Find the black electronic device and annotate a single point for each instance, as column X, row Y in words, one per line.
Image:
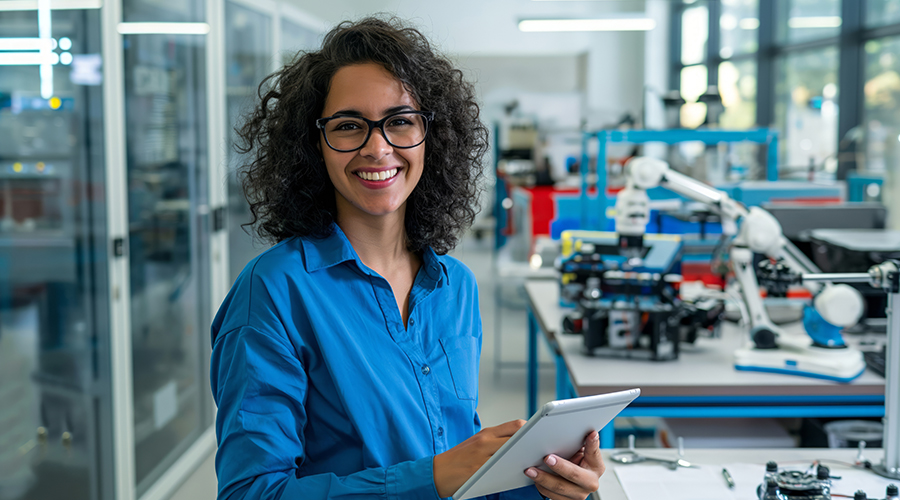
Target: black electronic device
column 795, row 485
column 626, row 297
column 875, row 360
column 812, row 484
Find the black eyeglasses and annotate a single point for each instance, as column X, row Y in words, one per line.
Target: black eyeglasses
column 344, row 133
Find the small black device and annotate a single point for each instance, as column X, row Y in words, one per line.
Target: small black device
column 795, row 485
column 875, row 360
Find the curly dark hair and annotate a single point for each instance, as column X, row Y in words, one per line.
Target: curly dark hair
column 285, row 180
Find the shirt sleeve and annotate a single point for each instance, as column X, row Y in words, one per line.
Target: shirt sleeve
column 523, row 493
column 260, row 387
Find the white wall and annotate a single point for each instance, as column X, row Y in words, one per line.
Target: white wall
column 536, row 73
column 615, row 76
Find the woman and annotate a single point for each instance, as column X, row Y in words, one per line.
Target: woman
column 345, row 358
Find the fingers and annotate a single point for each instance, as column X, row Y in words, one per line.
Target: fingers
column 554, row 486
column 506, row 429
column 574, row 478
column 592, row 458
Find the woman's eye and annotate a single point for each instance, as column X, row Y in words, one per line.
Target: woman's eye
column 347, row 126
column 399, row 122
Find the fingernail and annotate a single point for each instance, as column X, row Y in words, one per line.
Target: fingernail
column 530, row 472
column 595, row 436
column 551, row 460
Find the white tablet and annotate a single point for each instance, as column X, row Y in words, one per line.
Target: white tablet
column 559, row 428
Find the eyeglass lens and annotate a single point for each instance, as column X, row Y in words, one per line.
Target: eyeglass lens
column 403, row 130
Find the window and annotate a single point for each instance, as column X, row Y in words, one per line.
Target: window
column 882, row 105
column 739, row 27
column 694, row 34
column 737, row 87
column 882, row 12
column 804, row 20
column 806, row 110
column 693, row 84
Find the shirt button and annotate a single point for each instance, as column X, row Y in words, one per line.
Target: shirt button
column 440, row 431
column 426, row 370
column 412, row 321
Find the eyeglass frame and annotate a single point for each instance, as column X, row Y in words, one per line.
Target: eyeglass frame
column 428, row 115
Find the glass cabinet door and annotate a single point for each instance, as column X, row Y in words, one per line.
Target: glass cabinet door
column 166, row 138
column 55, row 410
column 248, row 59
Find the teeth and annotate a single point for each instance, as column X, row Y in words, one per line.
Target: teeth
column 377, row 176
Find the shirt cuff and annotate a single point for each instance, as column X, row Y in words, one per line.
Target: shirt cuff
column 411, row 480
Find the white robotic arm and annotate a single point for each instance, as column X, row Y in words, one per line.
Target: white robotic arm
column 840, row 305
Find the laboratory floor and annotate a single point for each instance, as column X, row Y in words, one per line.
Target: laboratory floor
column 502, row 395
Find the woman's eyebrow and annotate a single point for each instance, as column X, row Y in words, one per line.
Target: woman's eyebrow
column 397, row 109
column 389, row 111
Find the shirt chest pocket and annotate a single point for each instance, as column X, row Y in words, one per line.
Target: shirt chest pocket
column 462, row 357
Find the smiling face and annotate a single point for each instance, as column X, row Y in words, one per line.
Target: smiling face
column 377, row 179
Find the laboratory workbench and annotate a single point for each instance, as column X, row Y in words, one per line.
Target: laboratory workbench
column 701, row 383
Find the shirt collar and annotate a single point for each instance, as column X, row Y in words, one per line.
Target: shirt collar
column 319, row 253
column 435, row 265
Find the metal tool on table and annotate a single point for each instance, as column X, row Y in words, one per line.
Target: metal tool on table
column 631, row 456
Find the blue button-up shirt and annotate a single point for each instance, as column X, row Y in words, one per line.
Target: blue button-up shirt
column 322, row 392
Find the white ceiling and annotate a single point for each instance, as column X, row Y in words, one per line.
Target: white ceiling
column 480, row 27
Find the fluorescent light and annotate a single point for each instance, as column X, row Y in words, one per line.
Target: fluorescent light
column 749, row 23
column 11, row 5
column 34, row 59
column 608, row 24
column 24, row 59
column 815, row 22
column 17, row 44
column 163, row 28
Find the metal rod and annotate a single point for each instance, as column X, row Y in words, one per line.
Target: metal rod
column 890, row 467
column 839, row 277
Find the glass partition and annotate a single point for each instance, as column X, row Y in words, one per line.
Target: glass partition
column 55, row 409
column 166, row 138
column 248, row 53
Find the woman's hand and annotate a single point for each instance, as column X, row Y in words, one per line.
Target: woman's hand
column 575, row 478
column 456, row 465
